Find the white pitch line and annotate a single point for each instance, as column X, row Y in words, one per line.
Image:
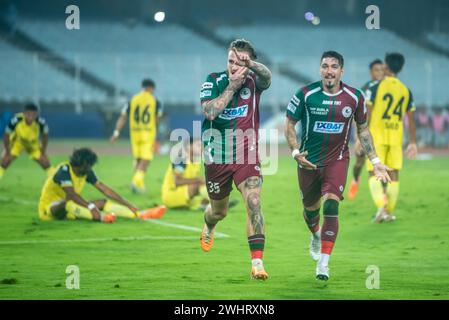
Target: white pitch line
column 183, row 227
column 158, row 222
column 148, row 237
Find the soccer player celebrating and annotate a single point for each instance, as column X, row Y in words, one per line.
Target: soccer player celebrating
column 376, row 69
column 183, row 185
column 143, row 111
column 230, row 102
column 326, row 109
column 22, row 134
column 388, row 102
column 61, row 195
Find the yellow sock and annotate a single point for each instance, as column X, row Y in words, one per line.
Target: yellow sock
column 377, row 193
column 392, row 193
column 2, row 172
column 77, row 211
column 138, row 179
column 119, row 210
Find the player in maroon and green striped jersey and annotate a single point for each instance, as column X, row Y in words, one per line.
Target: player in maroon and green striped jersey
column 376, row 68
column 230, row 101
column 326, row 109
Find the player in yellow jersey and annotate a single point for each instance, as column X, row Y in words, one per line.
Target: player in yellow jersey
column 389, row 101
column 61, row 195
column 143, row 111
column 23, row 133
column 183, row 185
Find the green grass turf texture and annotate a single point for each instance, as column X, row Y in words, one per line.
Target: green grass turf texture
column 411, row 253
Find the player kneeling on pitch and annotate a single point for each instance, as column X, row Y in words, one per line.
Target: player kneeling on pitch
column 61, row 195
column 22, row 133
column 183, row 185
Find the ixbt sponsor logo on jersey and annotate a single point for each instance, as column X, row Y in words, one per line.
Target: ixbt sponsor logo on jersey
column 328, row 127
column 232, row 113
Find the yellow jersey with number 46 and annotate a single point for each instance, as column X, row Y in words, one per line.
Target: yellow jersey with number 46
column 142, row 111
column 389, row 101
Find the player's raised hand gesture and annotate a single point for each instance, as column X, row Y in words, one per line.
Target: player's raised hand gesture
column 381, row 172
column 237, row 79
column 303, row 162
column 411, row 151
column 243, row 58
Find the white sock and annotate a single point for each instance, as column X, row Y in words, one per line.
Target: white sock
column 324, row 259
column 256, row 262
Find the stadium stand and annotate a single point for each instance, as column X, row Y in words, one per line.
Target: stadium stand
column 176, row 58
column 440, row 40
column 300, row 49
column 26, row 77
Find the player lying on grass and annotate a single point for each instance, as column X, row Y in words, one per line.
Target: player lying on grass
column 22, row 134
column 61, row 195
column 326, row 109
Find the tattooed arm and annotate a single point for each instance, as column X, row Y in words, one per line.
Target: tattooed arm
column 292, row 141
column 212, row 108
column 263, row 75
column 366, row 140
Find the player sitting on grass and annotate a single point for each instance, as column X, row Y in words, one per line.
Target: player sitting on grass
column 22, row 134
column 61, row 195
column 183, row 186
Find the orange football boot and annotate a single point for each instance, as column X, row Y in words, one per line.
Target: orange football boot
column 259, row 273
column 353, row 189
column 108, row 218
column 153, row 213
column 207, row 239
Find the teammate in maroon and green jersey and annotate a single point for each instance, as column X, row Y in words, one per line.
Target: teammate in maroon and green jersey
column 230, row 102
column 376, row 69
column 326, row 110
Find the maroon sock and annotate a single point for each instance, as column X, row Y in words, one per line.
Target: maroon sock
column 329, row 233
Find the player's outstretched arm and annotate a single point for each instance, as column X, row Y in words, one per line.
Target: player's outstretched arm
column 119, row 126
column 111, row 194
column 290, row 135
column 75, row 197
column 412, row 148
column 212, row 108
column 263, row 74
column 44, row 143
column 366, row 140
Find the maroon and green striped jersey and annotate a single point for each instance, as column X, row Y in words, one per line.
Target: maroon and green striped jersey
column 230, row 136
column 326, row 120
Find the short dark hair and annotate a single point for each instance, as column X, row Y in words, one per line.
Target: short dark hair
column 83, row 157
column 148, row 83
column 374, row 62
column 31, row 107
column 333, row 54
column 243, row 45
column 395, row 61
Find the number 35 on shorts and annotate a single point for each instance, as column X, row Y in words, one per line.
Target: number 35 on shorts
column 214, row 187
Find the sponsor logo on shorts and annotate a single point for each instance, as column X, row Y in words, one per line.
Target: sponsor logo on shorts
column 291, row 107
column 245, row 93
column 341, row 188
column 257, row 168
column 347, row 111
column 330, row 233
column 328, row 127
column 232, row 113
column 207, row 85
column 205, row 93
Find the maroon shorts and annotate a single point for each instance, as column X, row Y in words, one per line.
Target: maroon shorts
column 219, row 177
column 316, row 183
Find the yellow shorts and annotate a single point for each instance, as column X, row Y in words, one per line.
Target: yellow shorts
column 389, row 155
column 143, row 149
column 33, row 149
column 45, row 211
column 179, row 198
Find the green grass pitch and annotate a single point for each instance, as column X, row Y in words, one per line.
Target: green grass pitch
column 142, row 260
